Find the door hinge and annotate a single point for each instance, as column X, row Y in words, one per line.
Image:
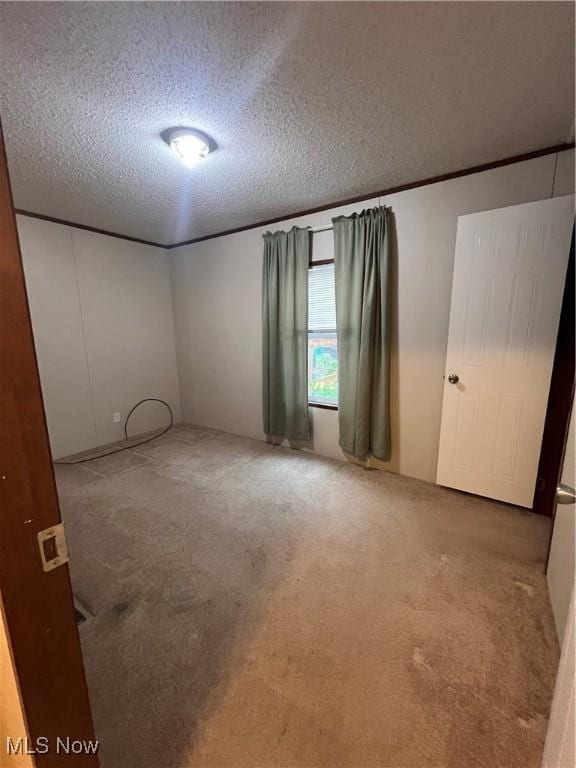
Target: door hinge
column 53, row 547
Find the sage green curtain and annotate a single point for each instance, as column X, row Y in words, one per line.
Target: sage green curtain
column 361, row 262
column 285, row 333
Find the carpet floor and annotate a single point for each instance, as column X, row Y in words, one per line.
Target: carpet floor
column 258, row 607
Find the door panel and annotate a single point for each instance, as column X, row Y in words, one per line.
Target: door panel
column 509, row 274
column 38, row 606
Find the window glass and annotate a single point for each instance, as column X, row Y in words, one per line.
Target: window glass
column 322, row 349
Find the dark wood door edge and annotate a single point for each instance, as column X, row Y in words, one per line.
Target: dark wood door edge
column 38, row 606
column 560, row 400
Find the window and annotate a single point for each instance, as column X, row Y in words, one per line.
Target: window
column 322, row 350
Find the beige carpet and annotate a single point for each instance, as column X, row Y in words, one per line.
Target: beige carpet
column 256, row 607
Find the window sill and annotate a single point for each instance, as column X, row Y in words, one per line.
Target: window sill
column 323, row 406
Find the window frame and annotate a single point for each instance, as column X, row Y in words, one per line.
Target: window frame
column 322, row 406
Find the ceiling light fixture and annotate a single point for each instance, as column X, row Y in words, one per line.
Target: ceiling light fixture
column 190, row 145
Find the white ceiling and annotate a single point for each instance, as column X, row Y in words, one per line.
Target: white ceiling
column 309, row 103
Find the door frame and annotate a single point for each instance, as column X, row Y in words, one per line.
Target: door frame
column 38, row 605
column 560, row 400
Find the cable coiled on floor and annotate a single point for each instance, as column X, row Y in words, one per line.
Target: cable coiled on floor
column 132, row 445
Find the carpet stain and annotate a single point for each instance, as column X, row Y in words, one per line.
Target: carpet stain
column 120, row 608
column 527, row 588
column 257, row 558
column 538, row 723
column 419, row 659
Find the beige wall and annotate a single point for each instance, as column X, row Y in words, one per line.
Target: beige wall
column 11, row 716
column 217, row 302
column 102, row 317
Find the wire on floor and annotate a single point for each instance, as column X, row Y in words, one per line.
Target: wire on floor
column 132, row 445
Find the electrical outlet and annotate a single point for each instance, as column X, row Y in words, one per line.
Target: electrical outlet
column 115, row 418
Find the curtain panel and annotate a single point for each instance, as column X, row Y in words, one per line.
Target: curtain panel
column 285, row 333
column 361, row 261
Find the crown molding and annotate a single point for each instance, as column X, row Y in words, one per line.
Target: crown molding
column 308, row 211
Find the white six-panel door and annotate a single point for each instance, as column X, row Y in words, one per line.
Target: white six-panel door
column 509, row 273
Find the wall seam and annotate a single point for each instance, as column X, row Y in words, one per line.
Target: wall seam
column 554, row 174
column 84, row 342
column 177, row 355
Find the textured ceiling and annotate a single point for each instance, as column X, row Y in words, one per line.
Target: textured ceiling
column 309, row 103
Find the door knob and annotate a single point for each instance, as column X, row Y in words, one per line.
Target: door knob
column 565, row 494
column 453, row 378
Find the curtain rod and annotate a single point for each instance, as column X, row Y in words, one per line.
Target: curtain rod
column 325, row 228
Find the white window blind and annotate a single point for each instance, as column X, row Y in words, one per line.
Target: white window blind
column 322, row 340
column 321, row 298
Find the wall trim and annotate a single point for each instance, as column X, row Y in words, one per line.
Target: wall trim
column 87, row 228
column 307, row 212
column 390, row 191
